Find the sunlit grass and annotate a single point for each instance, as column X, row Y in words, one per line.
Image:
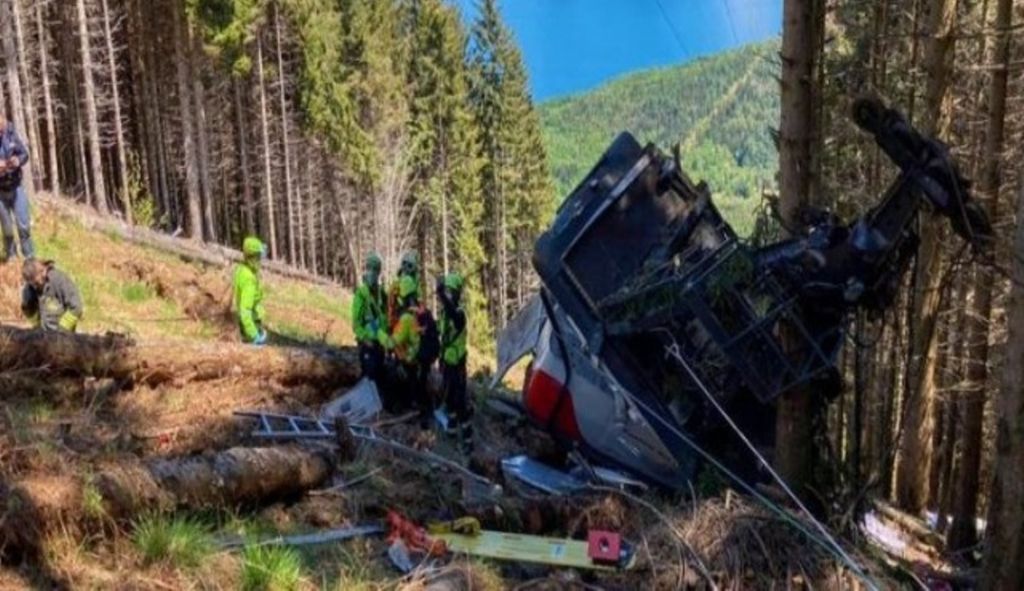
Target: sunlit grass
column 270, row 568
column 136, row 291
column 180, row 541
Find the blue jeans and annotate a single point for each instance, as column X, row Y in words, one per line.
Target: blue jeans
column 14, row 210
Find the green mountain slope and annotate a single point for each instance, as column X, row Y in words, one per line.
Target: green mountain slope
column 719, row 109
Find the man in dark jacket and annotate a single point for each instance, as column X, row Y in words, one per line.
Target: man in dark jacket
column 13, row 201
column 49, row 299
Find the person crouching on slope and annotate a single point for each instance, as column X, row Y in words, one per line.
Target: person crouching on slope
column 49, row 299
column 453, row 358
column 369, row 317
column 249, row 292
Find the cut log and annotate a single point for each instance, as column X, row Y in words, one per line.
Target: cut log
column 153, row 363
column 238, row 476
column 32, row 508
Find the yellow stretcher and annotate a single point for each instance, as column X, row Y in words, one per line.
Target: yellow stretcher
column 565, row 553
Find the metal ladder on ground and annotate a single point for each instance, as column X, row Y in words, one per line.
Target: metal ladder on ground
column 287, row 427
column 278, row 427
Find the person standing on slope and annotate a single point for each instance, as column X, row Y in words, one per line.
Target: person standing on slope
column 413, row 349
column 369, row 319
column 249, row 292
column 13, row 201
column 453, row 358
column 50, row 298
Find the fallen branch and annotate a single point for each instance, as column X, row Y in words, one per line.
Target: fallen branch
column 190, row 250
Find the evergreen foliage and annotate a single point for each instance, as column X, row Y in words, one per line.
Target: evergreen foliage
column 442, row 150
column 720, row 110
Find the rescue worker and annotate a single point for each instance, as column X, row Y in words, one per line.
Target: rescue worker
column 408, row 267
column 453, row 358
column 14, row 210
column 249, row 292
column 369, row 318
column 405, row 344
column 49, row 298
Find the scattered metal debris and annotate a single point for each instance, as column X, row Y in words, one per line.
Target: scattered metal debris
column 359, row 406
column 323, row 537
column 542, row 476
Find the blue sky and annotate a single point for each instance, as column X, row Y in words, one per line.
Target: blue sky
column 574, row 45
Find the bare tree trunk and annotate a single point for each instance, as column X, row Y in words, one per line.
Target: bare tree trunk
column 915, row 446
column 122, row 156
column 202, row 130
column 194, row 225
column 963, row 533
column 285, row 140
column 794, row 432
column 91, row 116
column 310, row 209
column 44, row 72
column 28, row 86
column 1003, row 567
column 11, row 60
column 268, row 181
column 248, row 207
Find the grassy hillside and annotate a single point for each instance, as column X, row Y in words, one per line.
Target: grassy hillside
column 149, row 294
column 719, row 109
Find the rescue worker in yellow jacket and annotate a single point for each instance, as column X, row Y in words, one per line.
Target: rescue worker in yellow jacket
column 249, row 292
column 369, row 319
column 407, row 343
column 49, row 298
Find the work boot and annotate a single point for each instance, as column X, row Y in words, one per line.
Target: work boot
column 466, row 438
column 453, row 425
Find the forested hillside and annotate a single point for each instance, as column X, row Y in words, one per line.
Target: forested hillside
column 329, row 128
column 720, row 109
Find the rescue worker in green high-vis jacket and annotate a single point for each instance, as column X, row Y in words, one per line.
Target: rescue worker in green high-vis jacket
column 370, row 320
column 249, row 292
column 49, row 299
column 453, row 328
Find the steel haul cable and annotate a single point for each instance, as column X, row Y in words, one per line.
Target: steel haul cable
column 829, row 540
column 825, row 540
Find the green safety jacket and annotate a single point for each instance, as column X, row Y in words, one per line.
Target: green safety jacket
column 249, row 301
column 453, row 337
column 369, row 321
column 405, row 338
column 57, row 306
